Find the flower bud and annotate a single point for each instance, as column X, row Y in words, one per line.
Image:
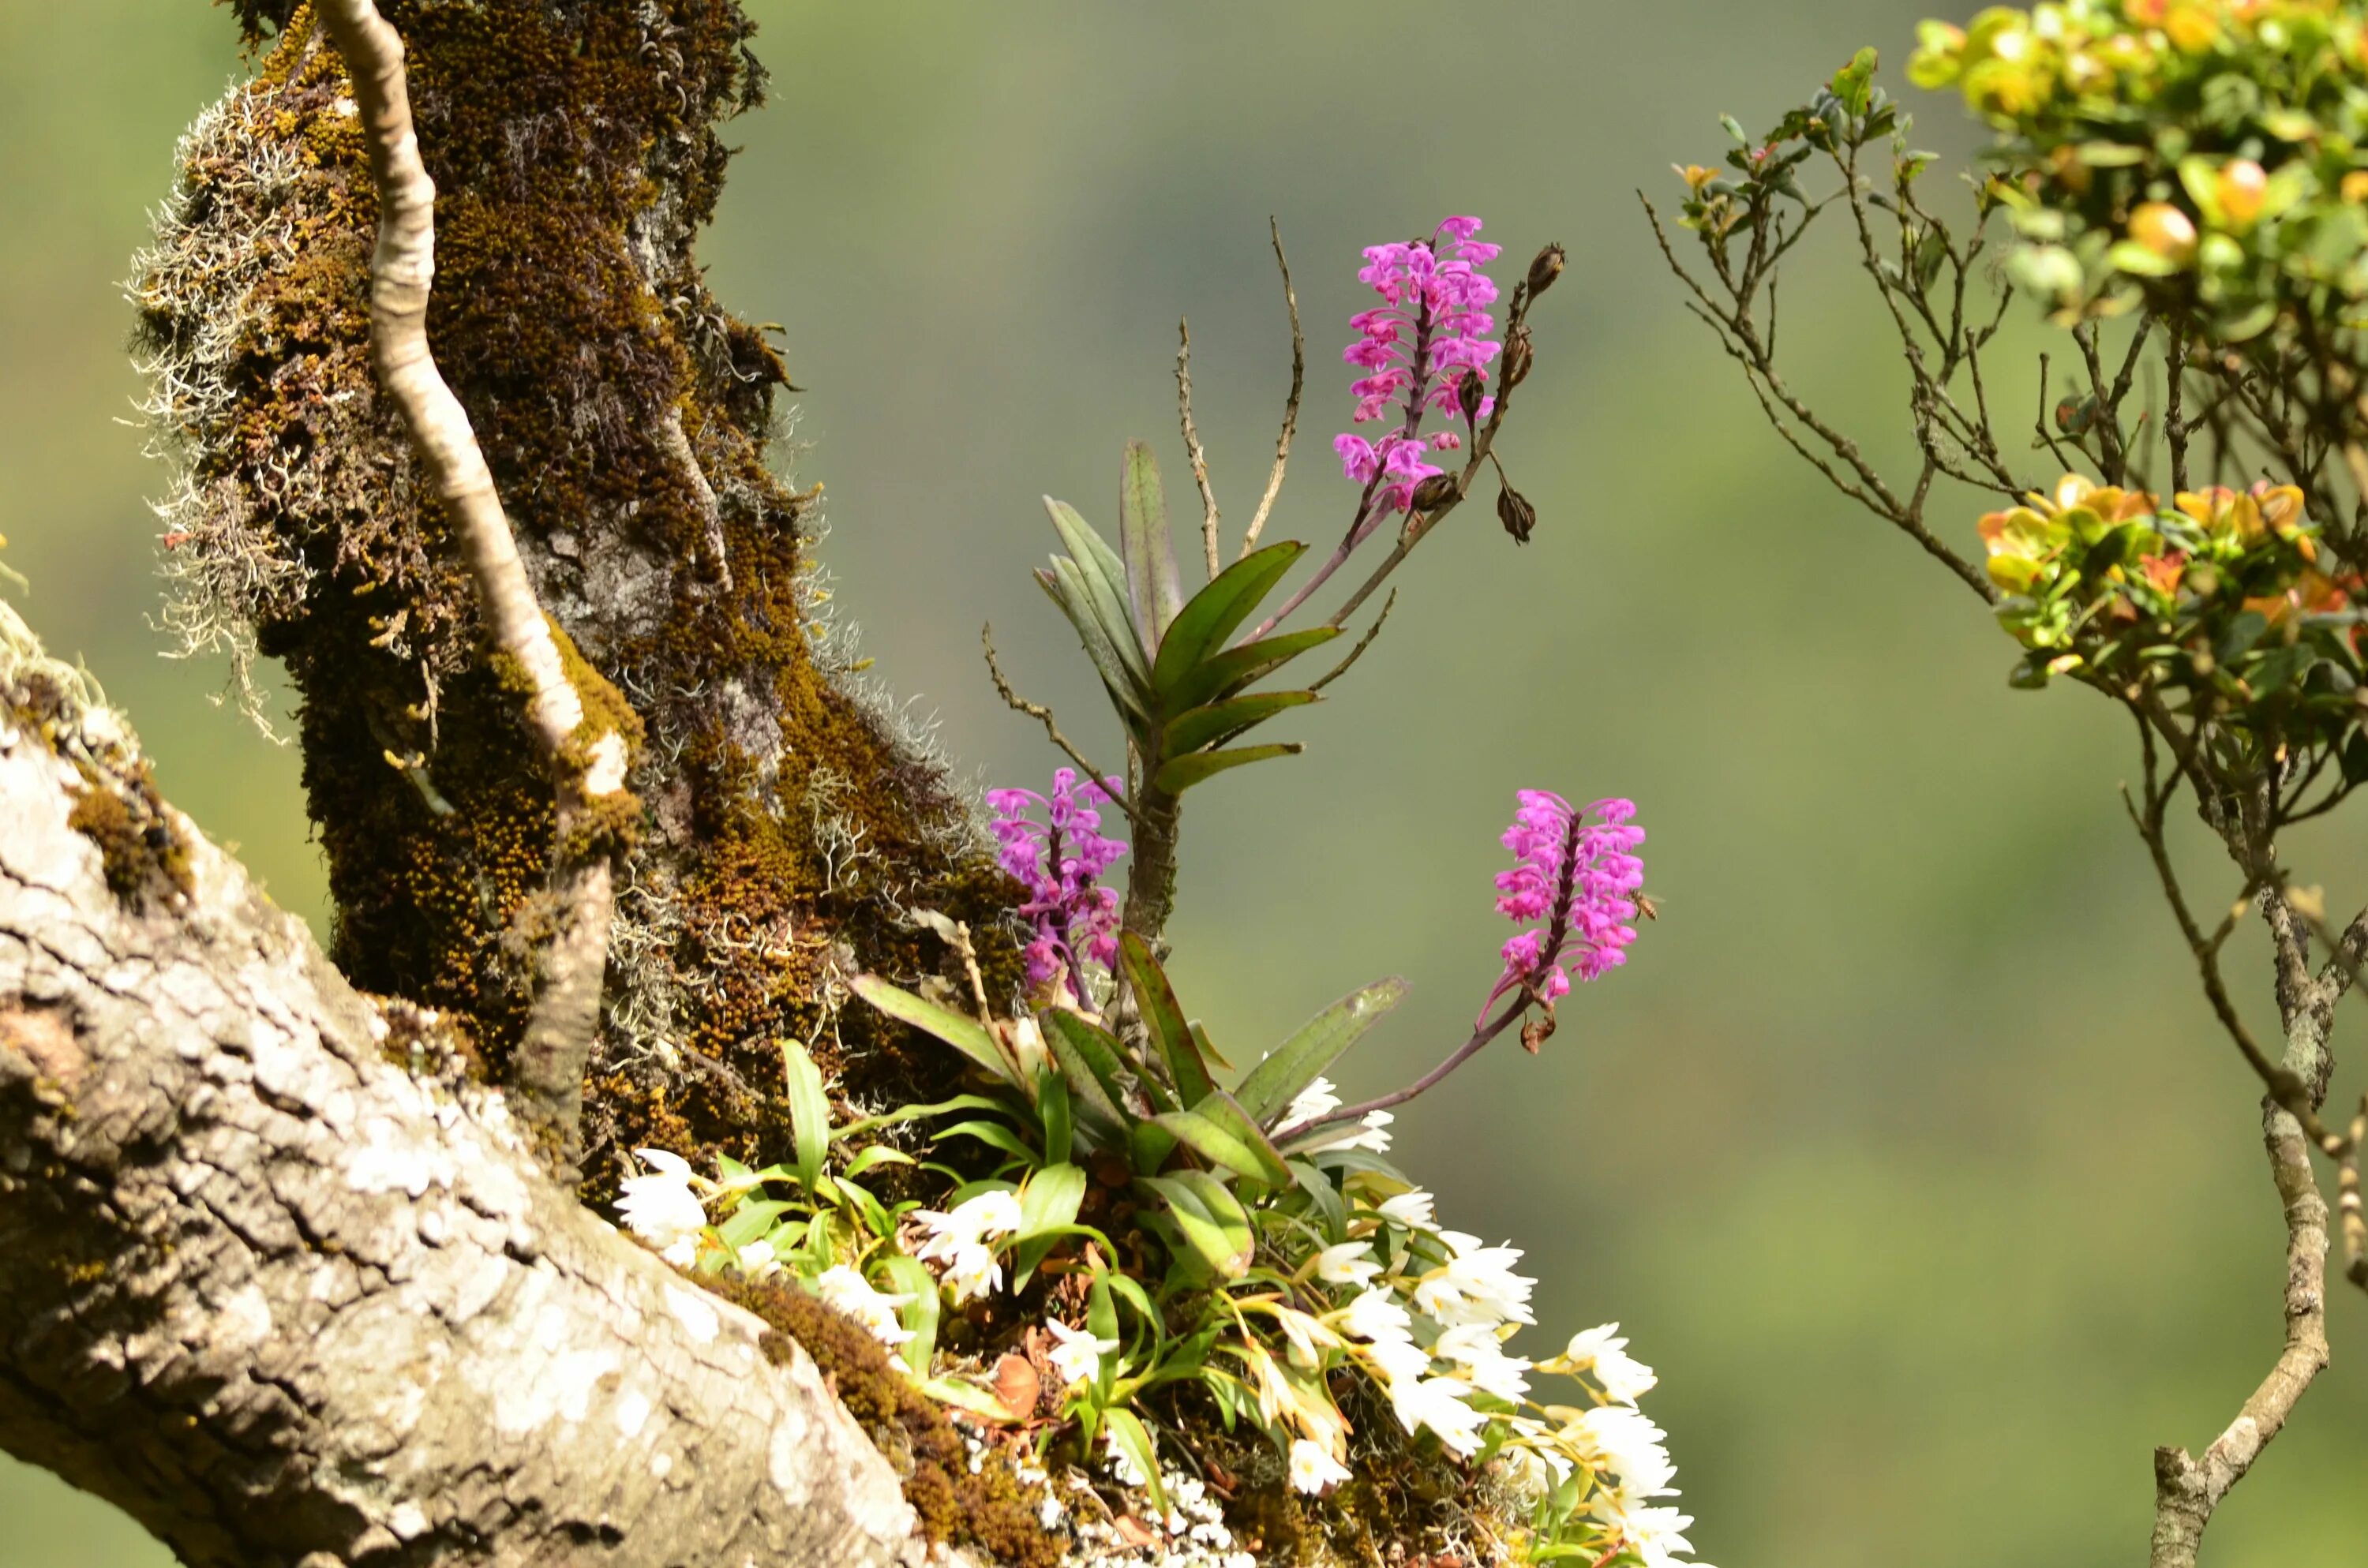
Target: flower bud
column 1513, row 510
column 1433, row 492
column 1516, row 356
column 2243, row 189
column 1544, row 270
column 2164, row 229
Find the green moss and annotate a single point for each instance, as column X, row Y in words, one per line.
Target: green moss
column 992, row 1511
column 576, row 152
column 138, row 847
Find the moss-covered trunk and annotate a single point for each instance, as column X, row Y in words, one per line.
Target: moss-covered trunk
column 627, row 416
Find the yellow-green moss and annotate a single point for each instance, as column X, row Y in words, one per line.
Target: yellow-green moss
column 139, row 849
column 993, row 1510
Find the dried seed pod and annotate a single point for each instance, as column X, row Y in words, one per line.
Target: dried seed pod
column 1433, row 492
column 1513, row 510
column 1516, row 356
column 1544, row 268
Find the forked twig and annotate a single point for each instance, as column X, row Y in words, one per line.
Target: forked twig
column 1192, row 444
column 1291, row 407
column 1044, row 715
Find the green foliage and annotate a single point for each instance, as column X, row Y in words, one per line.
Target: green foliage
column 2205, row 158
column 1177, row 688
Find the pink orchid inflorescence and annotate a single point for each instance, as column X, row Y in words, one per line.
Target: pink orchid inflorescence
column 1060, row 861
column 1417, row 348
column 1575, row 886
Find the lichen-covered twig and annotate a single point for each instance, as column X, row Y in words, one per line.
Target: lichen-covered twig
column 1044, row 715
column 1290, row 405
column 588, row 759
column 1192, row 446
column 1362, row 644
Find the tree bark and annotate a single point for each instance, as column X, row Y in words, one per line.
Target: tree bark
column 289, row 1304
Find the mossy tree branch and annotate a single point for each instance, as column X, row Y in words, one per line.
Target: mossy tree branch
column 588, row 759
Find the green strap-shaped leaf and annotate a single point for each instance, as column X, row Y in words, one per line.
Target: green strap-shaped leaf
column 1209, row 1051
column 1324, row 1199
column 1226, row 1112
column 994, row 1134
column 1215, row 612
column 1224, row 721
column 1151, row 587
column 918, row 1112
column 1068, row 590
column 910, row 1277
column 1222, row 675
column 1090, row 1068
column 1298, row 1062
column 1049, row 1200
column 1212, row 1143
column 1165, row 1019
column 809, row 1111
column 1103, row 578
column 1127, row 1431
column 1054, row 1114
column 1150, row 1144
column 1219, row 1234
column 1181, row 775
column 965, row 1035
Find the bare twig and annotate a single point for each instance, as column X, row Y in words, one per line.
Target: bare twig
column 1192, row 444
column 1291, row 407
column 1044, row 715
column 588, row 770
column 1362, row 644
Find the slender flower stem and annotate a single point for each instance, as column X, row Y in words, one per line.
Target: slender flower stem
column 1505, row 1019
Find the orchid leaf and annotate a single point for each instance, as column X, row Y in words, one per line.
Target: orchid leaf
column 966, row 1035
column 910, row 1278
column 809, row 1111
column 1164, row 1017
column 1152, row 585
column 1298, row 1062
column 1222, row 675
column 1183, row 772
column 1103, row 578
column 1067, row 586
column 1214, row 613
column 1223, row 721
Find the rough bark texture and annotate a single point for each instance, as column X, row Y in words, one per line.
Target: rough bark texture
column 626, row 418
column 286, row 1302
column 2189, row 1488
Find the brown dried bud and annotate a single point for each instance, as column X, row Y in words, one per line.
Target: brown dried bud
column 1513, row 510
column 1517, row 358
column 1536, row 1031
column 1468, row 394
column 1434, row 492
column 1544, row 270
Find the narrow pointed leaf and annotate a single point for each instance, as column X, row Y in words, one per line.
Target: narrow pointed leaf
column 1149, row 1145
column 910, row 1277
column 1068, row 591
column 1226, row 1112
column 1053, row 1113
column 1097, row 1097
column 994, row 1134
column 1127, row 1431
column 809, row 1111
column 1222, row 675
column 1223, row 1246
column 1165, row 1019
column 1226, row 1212
column 1152, row 586
column 1212, row 1143
column 1104, row 577
column 1209, row 1052
column 1218, row 611
column 1049, row 1200
column 1181, row 775
column 1298, row 1062
column 965, row 1035
column 1223, row 721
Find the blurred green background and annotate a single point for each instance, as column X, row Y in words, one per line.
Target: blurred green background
column 1903, row 1147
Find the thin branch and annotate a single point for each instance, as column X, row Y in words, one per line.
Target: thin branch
column 588, row 770
column 1192, row 444
column 1505, row 1019
column 1044, row 715
column 1362, row 644
column 1291, row 407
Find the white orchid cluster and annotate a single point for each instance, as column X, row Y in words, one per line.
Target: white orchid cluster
column 1429, row 1327
column 1423, row 1312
